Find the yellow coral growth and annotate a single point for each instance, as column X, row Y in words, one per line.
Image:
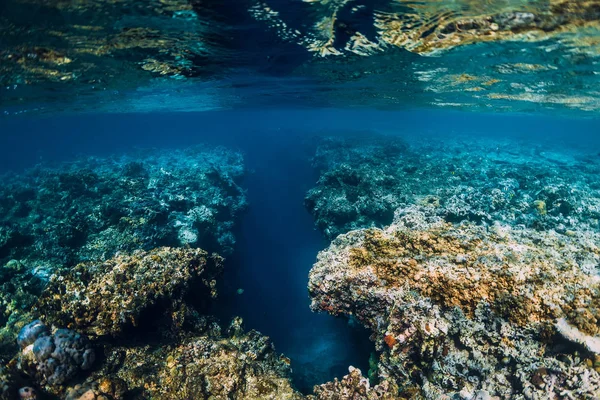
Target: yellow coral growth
column 463, row 266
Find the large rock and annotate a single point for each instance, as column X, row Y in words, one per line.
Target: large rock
column 470, row 310
column 101, row 299
column 212, row 365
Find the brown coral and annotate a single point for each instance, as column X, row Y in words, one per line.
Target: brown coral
column 471, row 309
column 241, row 366
column 104, row 299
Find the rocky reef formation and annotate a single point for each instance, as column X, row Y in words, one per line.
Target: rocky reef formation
column 360, row 182
column 20, row 288
column 172, row 349
column 94, row 207
column 233, row 365
column 205, row 363
column 467, row 310
column 54, row 218
column 53, row 358
column 119, row 290
column 364, row 179
column 354, row 386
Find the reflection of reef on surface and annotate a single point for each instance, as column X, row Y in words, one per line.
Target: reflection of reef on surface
column 460, row 309
column 431, row 26
column 105, row 43
column 59, row 56
column 560, row 36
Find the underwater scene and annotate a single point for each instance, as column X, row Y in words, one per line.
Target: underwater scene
column 299, row 199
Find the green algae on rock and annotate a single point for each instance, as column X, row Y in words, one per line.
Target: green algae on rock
column 106, row 298
column 469, row 310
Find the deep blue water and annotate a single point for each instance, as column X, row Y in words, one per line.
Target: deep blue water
column 277, row 242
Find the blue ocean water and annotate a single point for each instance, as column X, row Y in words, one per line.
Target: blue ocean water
column 410, row 188
column 265, row 280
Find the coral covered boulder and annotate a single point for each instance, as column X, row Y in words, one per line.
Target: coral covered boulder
column 356, row 387
column 94, row 207
column 105, row 298
column 53, row 358
column 211, row 365
column 470, row 310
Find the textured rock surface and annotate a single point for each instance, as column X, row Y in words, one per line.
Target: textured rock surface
column 354, row 387
column 106, row 298
column 94, row 207
column 19, row 291
column 101, row 389
column 236, row 365
column 53, row 358
column 364, row 179
column 8, row 386
column 470, row 310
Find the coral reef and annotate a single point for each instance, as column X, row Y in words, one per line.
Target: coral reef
column 53, row 358
column 354, row 386
column 467, row 310
column 102, row 389
column 106, row 298
column 19, row 291
column 94, row 207
column 364, row 179
column 79, row 215
column 8, row 389
column 359, row 182
column 235, row 365
column 189, row 357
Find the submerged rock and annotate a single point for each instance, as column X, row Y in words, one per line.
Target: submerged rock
column 19, row 291
column 235, row 366
column 467, row 310
column 354, row 386
column 101, row 299
column 364, row 179
column 53, row 359
column 93, row 208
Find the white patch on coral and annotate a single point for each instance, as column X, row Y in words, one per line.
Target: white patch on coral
column 569, row 332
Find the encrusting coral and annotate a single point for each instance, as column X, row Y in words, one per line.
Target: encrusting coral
column 234, row 365
column 101, row 299
column 94, row 207
column 461, row 309
column 354, row 386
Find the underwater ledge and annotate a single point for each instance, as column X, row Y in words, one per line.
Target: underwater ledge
column 495, row 208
